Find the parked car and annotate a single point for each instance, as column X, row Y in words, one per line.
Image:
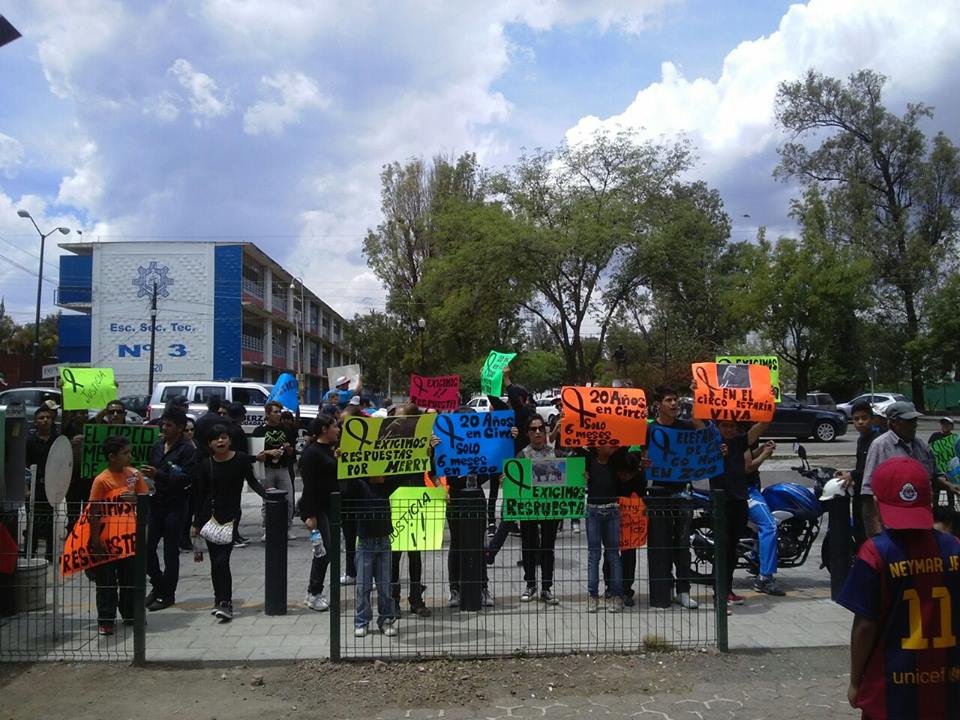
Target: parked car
column 480, row 403
column 820, row 400
column 547, row 410
column 137, row 403
column 794, row 419
column 878, row 400
column 253, row 395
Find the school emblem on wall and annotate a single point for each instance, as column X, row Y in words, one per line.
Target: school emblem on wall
column 153, row 274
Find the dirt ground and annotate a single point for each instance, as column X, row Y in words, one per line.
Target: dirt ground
column 355, row 690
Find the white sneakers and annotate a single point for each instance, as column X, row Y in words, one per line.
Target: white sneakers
column 348, row 580
column 684, row 600
column 317, row 602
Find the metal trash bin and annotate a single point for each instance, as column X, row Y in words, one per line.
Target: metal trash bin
column 30, row 584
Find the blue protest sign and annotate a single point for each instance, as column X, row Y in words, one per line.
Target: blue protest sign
column 472, row 443
column 286, row 392
column 683, row 455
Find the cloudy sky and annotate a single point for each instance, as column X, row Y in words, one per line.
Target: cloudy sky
column 269, row 120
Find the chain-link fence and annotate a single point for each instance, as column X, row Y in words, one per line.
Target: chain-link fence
column 63, row 602
column 535, row 587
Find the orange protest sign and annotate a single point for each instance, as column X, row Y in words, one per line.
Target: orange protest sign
column 118, row 535
column 603, row 416
column 732, row 392
column 633, row 522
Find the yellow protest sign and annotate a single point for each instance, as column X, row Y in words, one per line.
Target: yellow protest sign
column 385, row 446
column 770, row 361
column 87, row 388
column 418, row 515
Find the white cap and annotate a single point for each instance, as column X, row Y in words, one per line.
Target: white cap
column 342, row 380
column 947, row 420
column 355, row 400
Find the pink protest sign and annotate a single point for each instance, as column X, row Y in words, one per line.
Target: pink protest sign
column 441, row 393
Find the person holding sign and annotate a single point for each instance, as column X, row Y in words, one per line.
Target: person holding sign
column 341, row 394
column 318, row 468
column 632, row 485
column 374, row 557
column 119, row 483
column 220, row 479
column 737, row 459
column 538, row 537
column 603, row 524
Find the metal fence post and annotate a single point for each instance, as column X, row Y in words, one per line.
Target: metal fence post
column 334, row 552
column 140, row 583
column 720, row 589
column 275, row 554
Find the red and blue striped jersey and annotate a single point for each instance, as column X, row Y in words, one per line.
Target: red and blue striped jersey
column 909, row 582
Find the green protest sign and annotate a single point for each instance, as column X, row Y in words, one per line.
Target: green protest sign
column 92, row 459
column 547, row 489
column 491, row 376
column 418, row 515
column 945, row 450
column 385, row 446
column 87, row 388
column 770, row 361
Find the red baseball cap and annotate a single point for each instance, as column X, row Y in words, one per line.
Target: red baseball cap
column 901, row 486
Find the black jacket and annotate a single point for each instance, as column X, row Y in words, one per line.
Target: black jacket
column 175, row 470
column 318, row 468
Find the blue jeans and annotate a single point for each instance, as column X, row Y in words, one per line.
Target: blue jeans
column 603, row 526
column 759, row 514
column 373, row 563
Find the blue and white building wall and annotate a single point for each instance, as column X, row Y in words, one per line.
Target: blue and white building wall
column 224, row 310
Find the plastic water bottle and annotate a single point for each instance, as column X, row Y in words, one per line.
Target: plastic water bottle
column 132, row 482
column 316, row 539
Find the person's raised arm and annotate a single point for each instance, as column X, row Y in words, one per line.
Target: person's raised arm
column 755, row 432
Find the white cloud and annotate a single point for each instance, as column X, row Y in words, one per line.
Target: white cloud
column 297, row 92
column 85, row 187
column 164, row 106
column 731, row 119
column 205, row 104
column 11, row 154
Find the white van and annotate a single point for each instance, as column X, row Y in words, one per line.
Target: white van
column 252, row 395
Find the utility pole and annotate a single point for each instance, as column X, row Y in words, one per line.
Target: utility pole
column 153, row 336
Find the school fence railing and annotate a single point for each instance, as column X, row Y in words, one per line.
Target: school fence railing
column 60, row 602
column 532, row 588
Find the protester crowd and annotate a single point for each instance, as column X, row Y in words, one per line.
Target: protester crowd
column 903, row 587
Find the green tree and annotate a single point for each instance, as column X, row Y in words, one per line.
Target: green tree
column 385, row 348
column 943, row 339
column 899, row 194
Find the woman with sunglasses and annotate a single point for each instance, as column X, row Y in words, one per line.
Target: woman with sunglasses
column 538, row 537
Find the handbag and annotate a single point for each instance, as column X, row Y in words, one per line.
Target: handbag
column 217, row 533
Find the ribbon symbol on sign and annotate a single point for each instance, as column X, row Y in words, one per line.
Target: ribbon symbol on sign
column 348, row 429
column 512, row 466
column 444, row 426
column 68, row 377
column 664, row 444
column 418, row 383
column 580, row 408
column 702, row 375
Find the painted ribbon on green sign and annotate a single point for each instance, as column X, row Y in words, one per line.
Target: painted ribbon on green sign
column 370, row 447
column 548, row 489
column 491, row 376
column 87, row 388
column 418, row 515
column 770, row 361
column 945, row 450
column 93, row 461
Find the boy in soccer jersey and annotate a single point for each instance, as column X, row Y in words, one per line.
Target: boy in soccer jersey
column 904, row 588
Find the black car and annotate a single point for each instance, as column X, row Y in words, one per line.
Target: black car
column 794, row 419
column 137, row 403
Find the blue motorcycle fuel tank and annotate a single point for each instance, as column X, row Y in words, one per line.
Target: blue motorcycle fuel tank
column 794, row 498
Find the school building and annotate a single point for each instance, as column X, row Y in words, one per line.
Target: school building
column 225, row 310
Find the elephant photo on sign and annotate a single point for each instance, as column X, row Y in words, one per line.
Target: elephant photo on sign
column 549, row 472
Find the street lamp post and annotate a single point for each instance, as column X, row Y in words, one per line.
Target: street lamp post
column 421, row 328
column 301, row 331
column 36, row 327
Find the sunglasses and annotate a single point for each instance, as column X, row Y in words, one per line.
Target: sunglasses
column 537, row 429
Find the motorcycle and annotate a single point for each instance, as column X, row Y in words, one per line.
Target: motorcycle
column 796, row 509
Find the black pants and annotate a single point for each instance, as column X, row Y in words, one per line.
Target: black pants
column 628, row 559
column 112, row 578
column 220, row 572
column 737, row 513
column 43, row 528
column 348, row 523
column 492, row 500
column 538, row 538
column 859, row 529
column 459, row 542
column 415, row 563
column 319, row 565
column 165, row 523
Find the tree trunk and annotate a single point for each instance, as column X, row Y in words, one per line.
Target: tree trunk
column 803, row 379
column 916, row 363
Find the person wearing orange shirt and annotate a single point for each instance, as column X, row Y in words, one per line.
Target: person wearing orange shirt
column 119, row 483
